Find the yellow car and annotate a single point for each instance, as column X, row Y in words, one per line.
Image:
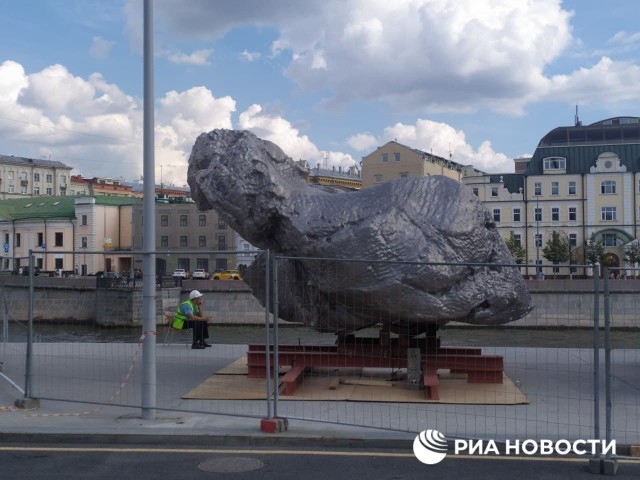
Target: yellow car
column 227, row 275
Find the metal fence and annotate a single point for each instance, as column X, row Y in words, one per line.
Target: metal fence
column 568, row 370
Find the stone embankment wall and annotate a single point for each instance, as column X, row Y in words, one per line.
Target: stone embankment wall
column 557, row 302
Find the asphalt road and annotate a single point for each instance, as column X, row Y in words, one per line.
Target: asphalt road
column 107, row 462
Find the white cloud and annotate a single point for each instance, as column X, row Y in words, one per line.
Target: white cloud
column 362, row 141
column 199, row 57
column 250, row 56
column 93, row 126
column 100, row 48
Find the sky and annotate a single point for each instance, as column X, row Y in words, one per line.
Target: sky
column 328, row 81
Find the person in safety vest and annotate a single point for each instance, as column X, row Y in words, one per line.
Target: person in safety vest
column 189, row 315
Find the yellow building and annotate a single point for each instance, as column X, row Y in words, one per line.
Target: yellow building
column 394, row 160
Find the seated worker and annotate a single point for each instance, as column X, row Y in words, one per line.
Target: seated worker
column 189, row 315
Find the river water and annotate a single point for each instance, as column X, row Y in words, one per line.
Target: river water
column 77, row 332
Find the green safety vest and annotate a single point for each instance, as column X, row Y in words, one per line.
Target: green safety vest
column 179, row 317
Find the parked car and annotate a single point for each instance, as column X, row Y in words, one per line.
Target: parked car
column 200, row 274
column 227, row 275
column 25, row 271
column 180, row 273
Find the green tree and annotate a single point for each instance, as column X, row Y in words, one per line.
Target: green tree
column 593, row 251
column 556, row 250
column 632, row 254
column 515, row 248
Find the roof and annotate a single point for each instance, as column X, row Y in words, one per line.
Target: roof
column 513, row 182
column 581, row 145
column 51, row 207
column 32, row 162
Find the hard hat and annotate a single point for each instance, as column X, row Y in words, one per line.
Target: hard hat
column 194, row 294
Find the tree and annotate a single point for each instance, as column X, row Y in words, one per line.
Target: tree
column 556, row 249
column 515, row 248
column 632, row 254
column 593, row 251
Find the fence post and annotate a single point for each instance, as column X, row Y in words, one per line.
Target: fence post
column 27, row 401
column 276, row 340
column 267, row 344
column 596, row 351
column 610, row 464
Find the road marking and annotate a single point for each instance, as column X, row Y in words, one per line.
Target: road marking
column 292, row 452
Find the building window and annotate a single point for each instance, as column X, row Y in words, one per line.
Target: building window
column 517, row 239
column 572, row 214
column 572, row 188
column 496, row 215
column 385, row 158
column 10, row 175
column 609, row 240
column 49, row 178
column 23, row 189
column 537, row 214
column 36, row 177
column 202, row 220
column 396, row 157
column 36, row 190
column 23, row 175
column 555, row 163
column 537, row 189
column 164, row 220
column 164, row 241
column 516, row 214
column 17, row 239
column 555, row 214
column 476, row 191
column 59, row 239
column 83, row 242
column 608, row 187
column 555, row 188
column 377, row 179
column 608, row 214
column 83, row 220
column 404, row 174
column 184, row 220
column 40, row 239
column 202, row 241
column 538, row 239
column 10, row 189
column 222, row 225
column 222, row 242
column 58, row 263
column 573, row 240
column 494, row 191
column 184, row 241
column 49, row 191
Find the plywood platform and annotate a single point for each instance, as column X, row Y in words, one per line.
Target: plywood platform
column 354, row 384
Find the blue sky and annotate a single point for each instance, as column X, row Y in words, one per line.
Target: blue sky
column 327, row 81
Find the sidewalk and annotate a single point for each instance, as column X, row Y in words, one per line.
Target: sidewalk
column 557, row 382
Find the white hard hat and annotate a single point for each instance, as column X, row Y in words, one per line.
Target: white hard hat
column 194, row 294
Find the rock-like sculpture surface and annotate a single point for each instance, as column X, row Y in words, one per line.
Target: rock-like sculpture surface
column 423, row 221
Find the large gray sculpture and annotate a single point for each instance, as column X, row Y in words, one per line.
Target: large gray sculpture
column 414, row 251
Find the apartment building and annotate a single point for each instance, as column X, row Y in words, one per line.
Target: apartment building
column 583, row 182
column 52, row 226
column 21, row 176
column 394, row 160
column 187, row 237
